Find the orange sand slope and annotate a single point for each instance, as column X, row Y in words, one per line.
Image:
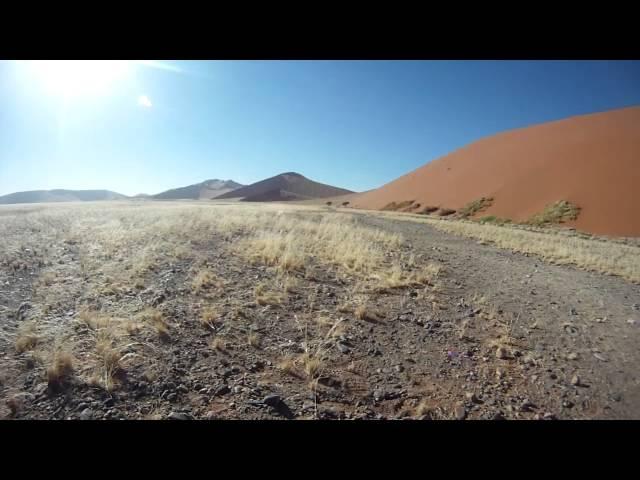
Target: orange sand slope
column 592, row 161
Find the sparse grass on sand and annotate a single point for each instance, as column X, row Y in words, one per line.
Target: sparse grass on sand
column 476, row 206
column 557, row 212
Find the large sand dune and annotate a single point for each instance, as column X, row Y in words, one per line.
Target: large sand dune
column 590, row 160
column 288, row 186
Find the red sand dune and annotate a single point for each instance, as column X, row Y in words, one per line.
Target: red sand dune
column 591, row 160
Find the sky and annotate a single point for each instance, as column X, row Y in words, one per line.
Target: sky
column 147, row 126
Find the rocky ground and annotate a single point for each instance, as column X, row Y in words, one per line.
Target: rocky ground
column 499, row 335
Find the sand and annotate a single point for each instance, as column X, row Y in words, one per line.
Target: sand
column 591, row 160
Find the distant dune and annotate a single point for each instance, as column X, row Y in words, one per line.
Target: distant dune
column 591, row 160
column 42, row 196
column 200, row 191
column 284, row 187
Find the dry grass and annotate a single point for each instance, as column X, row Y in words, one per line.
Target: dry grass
column 474, row 207
column 312, row 364
column 428, row 210
column 393, row 206
column 445, row 212
column 157, row 320
column 205, row 280
column 396, row 277
column 209, row 317
column 495, row 220
column 557, row 212
column 590, row 254
column 288, row 366
column 218, row 344
column 60, row 369
column 253, row 339
column 365, row 312
column 27, row 338
column 294, row 242
column 266, row 297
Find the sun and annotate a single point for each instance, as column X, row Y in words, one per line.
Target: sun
column 76, row 78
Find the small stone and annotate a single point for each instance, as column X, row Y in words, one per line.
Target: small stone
column 501, row 353
column 527, row 406
column 632, row 321
column 398, row 368
column 572, row 356
column 179, row 416
column 460, row 412
column 172, row 397
column 471, row 397
column 182, row 388
column 575, row 380
column 86, row 414
column 343, row 348
column 573, row 311
column 600, row 357
column 567, row 404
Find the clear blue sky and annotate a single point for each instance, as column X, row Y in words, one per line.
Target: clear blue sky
column 143, row 128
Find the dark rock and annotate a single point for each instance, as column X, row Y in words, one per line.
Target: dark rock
column 343, row 348
column 222, row 390
column 172, row 397
column 22, row 309
column 272, row 400
column 527, row 406
column 182, row 388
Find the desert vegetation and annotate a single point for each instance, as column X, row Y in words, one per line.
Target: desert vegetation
column 474, row 207
column 557, row 212
column 180, row 310
column 116, row 288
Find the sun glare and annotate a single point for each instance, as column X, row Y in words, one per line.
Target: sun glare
column 72, row 78
column 144, row 101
